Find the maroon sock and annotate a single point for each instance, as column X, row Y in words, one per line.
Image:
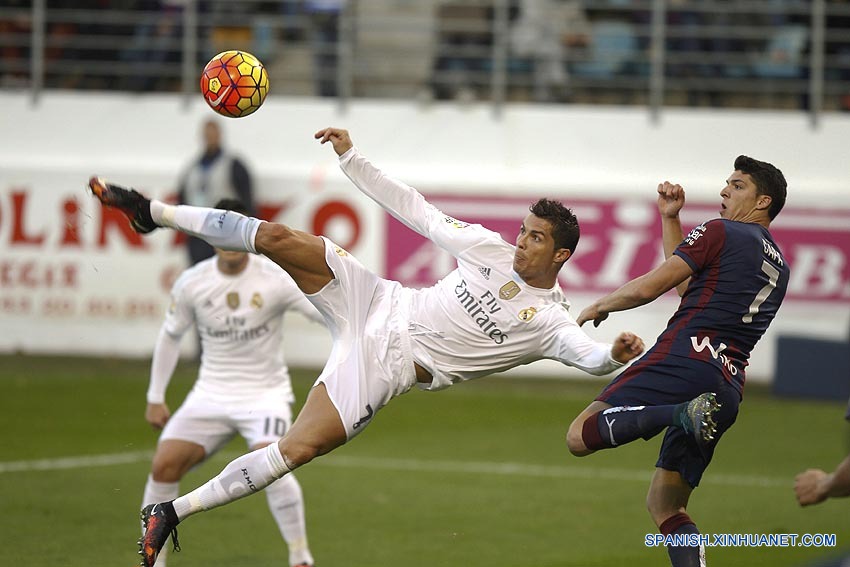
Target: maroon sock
column 674, row 522
column 682, row 555
column 590, row 435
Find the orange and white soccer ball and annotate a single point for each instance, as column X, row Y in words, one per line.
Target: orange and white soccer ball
column 234, row 83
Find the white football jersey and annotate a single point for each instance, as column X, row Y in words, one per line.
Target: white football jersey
column 239, row 320
column 482, row 317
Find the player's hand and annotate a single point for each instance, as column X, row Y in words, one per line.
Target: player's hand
column 157, row 415
column 811, row 487
column 626, row 347
column 592, row 313
column 671, row 198
column 337, row 136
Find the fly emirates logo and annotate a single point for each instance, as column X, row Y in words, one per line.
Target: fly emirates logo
column 481, row 309
column 716, row 354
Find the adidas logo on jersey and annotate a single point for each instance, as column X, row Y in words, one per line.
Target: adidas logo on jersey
column 485, row 272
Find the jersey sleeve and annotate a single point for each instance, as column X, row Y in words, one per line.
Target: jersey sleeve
column 166, row 353
column 702, row 245
column 295, row 300
column 570, row 345
column 287, row 295
column 180, row 315
column 178, row 319
column 408, row 206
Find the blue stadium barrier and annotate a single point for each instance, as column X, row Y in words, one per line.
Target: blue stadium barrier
column 812, row 368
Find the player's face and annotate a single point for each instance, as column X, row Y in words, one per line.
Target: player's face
column 231, row 262
column 212, row 135
column 740, row 197
column 535, row 250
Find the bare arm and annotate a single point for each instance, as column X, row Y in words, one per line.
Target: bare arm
column 671, row 198
column 814, row 485
column 639, row 291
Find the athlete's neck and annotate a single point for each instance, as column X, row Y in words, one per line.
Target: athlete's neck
column 231, row 267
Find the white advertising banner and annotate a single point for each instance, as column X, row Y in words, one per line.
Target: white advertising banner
column 75, row 278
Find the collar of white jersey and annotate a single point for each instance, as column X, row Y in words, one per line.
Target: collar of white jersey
column 554, row 293
column 226, row 276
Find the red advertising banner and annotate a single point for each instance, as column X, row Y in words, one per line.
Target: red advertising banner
column 621, row 239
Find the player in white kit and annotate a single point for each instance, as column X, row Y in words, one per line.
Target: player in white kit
column 237, row 302
column 502, row 307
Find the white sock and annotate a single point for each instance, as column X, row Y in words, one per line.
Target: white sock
column 160, row 492
column 241, row 477
column 221, row 229
column 158, row 212
column 286, row 502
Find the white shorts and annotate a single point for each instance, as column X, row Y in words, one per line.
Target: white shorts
column 211, row 423
column 370, row 362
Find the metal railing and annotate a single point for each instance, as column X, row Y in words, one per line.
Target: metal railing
column 776, row 54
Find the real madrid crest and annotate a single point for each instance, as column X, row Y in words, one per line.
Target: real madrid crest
column 233, row 300
column 256, row 300
column 509, row 290
column 340, row 251
column 527, row 314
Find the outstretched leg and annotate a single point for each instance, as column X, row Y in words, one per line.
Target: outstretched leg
column 601, row 426
column 301, row 254
column 317, row 430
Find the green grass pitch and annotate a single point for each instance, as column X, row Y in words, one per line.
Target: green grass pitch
column 478, row 475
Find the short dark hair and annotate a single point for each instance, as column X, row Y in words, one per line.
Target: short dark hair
column 768, row 179
column 234, row 205
column 565, row 229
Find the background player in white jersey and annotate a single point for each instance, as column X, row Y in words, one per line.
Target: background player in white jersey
column 236, row 301
column 502, row 307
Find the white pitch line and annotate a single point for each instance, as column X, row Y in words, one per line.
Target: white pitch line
column 547, row 471
column 391, row 464
column 78, row 462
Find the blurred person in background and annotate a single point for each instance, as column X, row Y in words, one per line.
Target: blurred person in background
column 155, row 40
column 732, row 278
column 15, row 50
column 237, row 302
column 464, row 44
column 214, row 175
column 838, row 47
column 544, row 31
column 502, row 307
column 324, row 16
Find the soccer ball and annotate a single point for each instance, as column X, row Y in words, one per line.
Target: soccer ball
column 234, row 83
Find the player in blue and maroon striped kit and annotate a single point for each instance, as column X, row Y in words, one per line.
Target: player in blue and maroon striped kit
column 732, row 278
